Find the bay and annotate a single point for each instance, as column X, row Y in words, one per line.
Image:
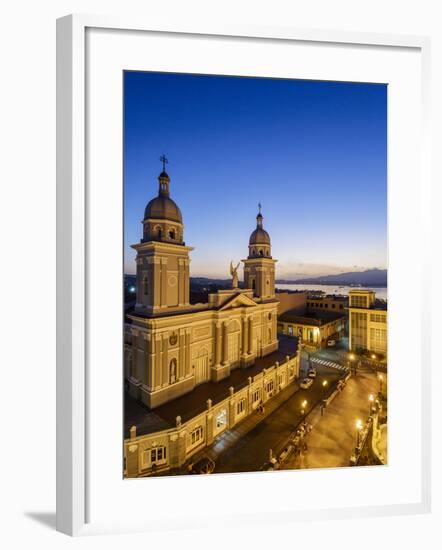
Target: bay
column 381, row 292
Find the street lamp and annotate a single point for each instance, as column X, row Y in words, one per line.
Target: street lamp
column 371, row 401
column 358, row 428
column 304, row 406
column 381, row 379
column 351, row 358
column 324, row 386
column 373, row 356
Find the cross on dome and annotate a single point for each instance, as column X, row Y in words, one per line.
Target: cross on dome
column 164, row 160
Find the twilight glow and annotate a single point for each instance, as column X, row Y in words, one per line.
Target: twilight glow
column 313, row 153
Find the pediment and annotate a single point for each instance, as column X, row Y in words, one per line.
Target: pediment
column 239, row 300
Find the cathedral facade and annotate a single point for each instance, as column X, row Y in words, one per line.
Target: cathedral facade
column 172, row 346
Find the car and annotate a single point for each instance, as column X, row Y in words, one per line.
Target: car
column 306, row 383
column 204, row 466
column 331, row 343
column 312, row 373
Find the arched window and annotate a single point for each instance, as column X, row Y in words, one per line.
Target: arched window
column 270, row 335
column 253, row 284
column 145, row 285
column 261, row 253
column 172, row 371
column 172, row 234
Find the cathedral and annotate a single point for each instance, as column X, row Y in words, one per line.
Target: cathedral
column 173, row 345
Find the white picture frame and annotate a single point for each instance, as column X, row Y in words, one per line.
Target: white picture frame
column 74, row 450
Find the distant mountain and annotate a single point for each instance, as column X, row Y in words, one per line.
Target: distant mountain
column 205, row 281
column 370, row 277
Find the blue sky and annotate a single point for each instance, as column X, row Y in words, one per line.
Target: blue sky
column 313, row 153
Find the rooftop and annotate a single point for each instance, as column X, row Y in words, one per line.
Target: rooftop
column 193, row 403
column 317, row 318
column 378, row 305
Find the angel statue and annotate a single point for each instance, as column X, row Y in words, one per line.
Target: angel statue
column 234, row 273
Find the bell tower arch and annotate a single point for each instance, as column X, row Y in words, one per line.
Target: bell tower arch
column 259, row 266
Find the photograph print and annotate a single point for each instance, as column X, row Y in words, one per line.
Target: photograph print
column 255, row 274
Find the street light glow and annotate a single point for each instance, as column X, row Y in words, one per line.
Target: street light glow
column 304, row 404
column 352, row 357
column 371, row 397
column 324, row 383
column 358, row 424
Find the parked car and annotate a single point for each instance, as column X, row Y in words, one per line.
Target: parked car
column 204, row 466
column 331, row 343
column 306, row 383
column 312, row 373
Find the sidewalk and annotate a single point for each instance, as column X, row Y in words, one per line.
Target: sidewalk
column 230, row 437
column 333, row 437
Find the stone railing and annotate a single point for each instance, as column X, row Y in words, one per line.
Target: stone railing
column 171, row 448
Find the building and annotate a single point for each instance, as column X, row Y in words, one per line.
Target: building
column 291, row 301
column 199, row 369
column 327, row 303
column 314, row 328
column 367, row 322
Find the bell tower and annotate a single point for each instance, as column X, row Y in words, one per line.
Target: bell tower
column 259, row 266
column 162, row 256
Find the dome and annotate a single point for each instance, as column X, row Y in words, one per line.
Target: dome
column 163, row 207
column 259, row 236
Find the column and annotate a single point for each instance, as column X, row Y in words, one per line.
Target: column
column 165, row 366
column 163, row 302
column 155, row 299
column 147, row 371
column 218, row 344
column 181, row 282
column 182, row 355
column 133, row 372
column 151, row 363
column 187, row 354
column 186, row 282
column 225, row 348
column 156, row 362
column 250, row 347
column 244, row 335
column 140, row 296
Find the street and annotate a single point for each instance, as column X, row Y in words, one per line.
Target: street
column 333, row 437
column 252, row 450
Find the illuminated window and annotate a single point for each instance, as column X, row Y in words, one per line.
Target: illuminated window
column 378, row 340
column 155, row 456
column 256, row 396
column 241, row 406
column 196, row 436
column 172, row 371
column 270, row 386
column 359, row 301
column 376, row 318
column 221, row 419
